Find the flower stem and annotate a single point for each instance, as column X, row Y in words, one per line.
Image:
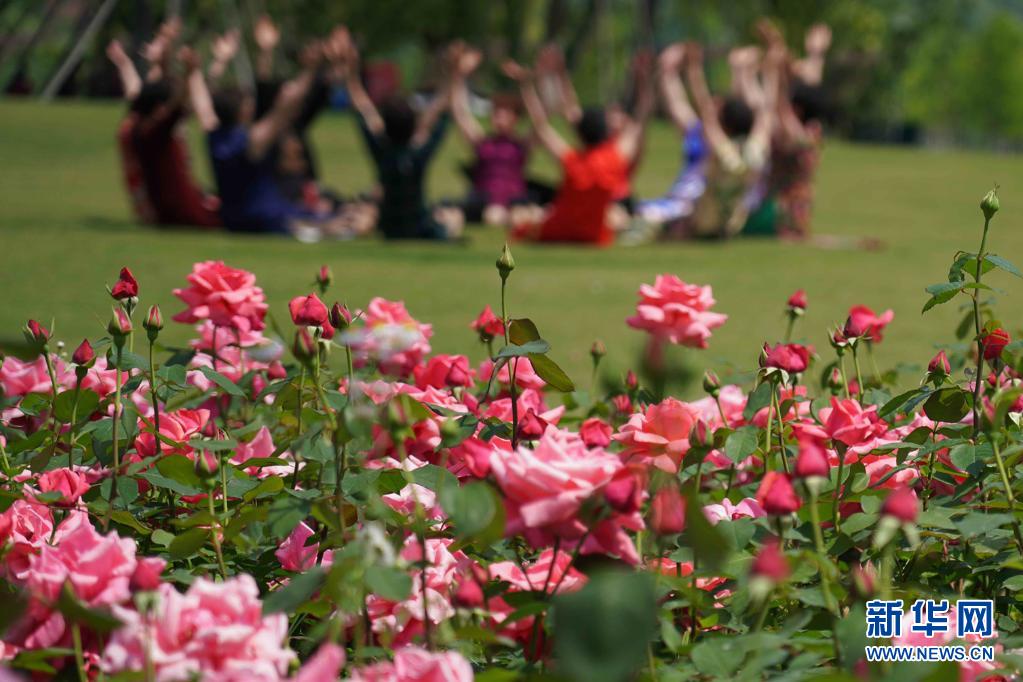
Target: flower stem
column 977, row 326
column 776, row 405
column 1009, row 496
column 215, row 537
column 818, row 539
column 71, row 426
column 152, row 389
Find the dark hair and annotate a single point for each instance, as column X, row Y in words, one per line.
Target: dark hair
column 227, row 103
column 150, row 97
column 592, row 126
column 809, row 102
column 506, row 100
column 399, row 120
column 736, row 117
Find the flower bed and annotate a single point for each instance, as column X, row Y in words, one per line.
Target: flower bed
column 330, row 499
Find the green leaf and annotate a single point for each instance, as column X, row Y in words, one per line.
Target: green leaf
column 88, row 401
column 222, row 381
column 979, row 523
column 708, row 543
column 963, row 455
column 949, row 404
column 897, row 403
column 179, row 468
column 161, row 481
column 1003, row 264
column 94, row 619
column 758, row 399
column 285, row 513
column 188, row 543
column 942, row 293
column 298, row 590
column 718, row 656
column 741, row 443
column 434, row 477
column 472, row 507
column 522, row 331
column 513, row 350
column 602, row 631
column 550, row 372
column 389, row 582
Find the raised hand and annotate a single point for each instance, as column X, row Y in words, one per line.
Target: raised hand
column 671, row 57
column 818, row 39
column 225, row 46
column 116, row 53
column 515, row 71
column 266, row 33
column 188, row 58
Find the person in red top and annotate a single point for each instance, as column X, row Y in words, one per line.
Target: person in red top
column 592, row 174
column 131, row 171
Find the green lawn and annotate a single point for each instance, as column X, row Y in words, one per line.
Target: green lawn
column 66, row 230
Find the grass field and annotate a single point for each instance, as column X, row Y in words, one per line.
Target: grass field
column 65, row 230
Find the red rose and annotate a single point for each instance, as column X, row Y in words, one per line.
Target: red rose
column 308, row 311
column 126, row 286
column 776, row 494
column 596, row 433
column 791, row 357
column 487, row 325
column 770, row 563
column 531, row 426
column 797, row 301
column 668, row 512
column 69, row 483
column 993, row 342
column 902, row 505
column 812, row 459
column 84, row 354
column 939, row 364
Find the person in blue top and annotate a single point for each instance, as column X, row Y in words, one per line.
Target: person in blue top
column 402, row 144
column 239, row 147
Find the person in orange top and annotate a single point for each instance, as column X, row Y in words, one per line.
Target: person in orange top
column 591, row 174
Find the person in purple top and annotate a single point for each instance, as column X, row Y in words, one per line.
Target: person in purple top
column 498, row 172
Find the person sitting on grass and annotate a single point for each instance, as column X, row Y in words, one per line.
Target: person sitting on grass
column 499, row 170
column 402, row 144
column 592, row 173
column 239, row 147
column 154, row 153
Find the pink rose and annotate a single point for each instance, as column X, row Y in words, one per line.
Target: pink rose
column 226, row 296
column 69, row 483
column 726, row 511
column 865, row 322
column 848, row 422
column 297, row 554
column 179, row 426
column 19, row 378
column 791, row 357
column 676, row 311
column 308, row 310
column 545, row 489
column 391, row 337
column 323, row 666
column 412, row 664
column 596, row 433
column 776, row 496
column 214, row 631
column 525, row 376
column 660, row 435
column 27, row 527
column 488, row 325
column 444, row 371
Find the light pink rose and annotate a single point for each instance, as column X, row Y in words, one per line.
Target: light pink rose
column 323, row 666
column 261, row 447
column 391, row 337
column 27, row 526
column 677, row 312
column 412, row 664
column 528, row 399
column 545, row 488
column 659, row 435
column 179, row 426
column 297, row 554
column 238, row 352
column 226, row 296
column 19, row 378
column 214, row 631
column 747, row 508
column 525, row 375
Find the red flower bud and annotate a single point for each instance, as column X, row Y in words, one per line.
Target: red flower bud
column 304, row 346
column 468, row 594
column 596, row 433
column 701, row 435
column 340, row 316
column 668, row 512
column 126, row 286
column 993, row 342
column 797, row 301
column 625, row 491
column 308, row 311
column 711, row 383
column 84, row 355
column 901, row 504
column 622, row 404
column 776, row 494
column 770, row 562
column 154, row 319
column 276, row 370
column 37, row 333
column 854, row 327
column 488, row 325
column 531, row 426
column 120, row 323
column 324, row 277
column 812, row 459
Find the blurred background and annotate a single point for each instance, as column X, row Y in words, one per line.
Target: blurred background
column 933, row 72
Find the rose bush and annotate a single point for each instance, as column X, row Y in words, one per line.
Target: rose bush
column 342, row 503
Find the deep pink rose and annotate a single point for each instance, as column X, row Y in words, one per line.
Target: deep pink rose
column 660, row 435
column 308, row 310
column 812, row 460
column 27, row 526
column 126, row 286
column 69, row 483
column 444, row 371
column 668, row 511
column 676, row 311
column 791, row 357
column 488, row 325
column 226, row 296
column 848, row 422
column 297, row 554
column 596, row 432
column 994, row 342
column 770, row 563
column 391, row 337
column 179, row 426
column 776, row 495
column 412, row 664
column 323, row 666
column 214, row 631
column 865, row 322
column 902, row 504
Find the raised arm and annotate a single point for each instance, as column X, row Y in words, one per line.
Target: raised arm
column 570, row 108
column 131, row 82
column 463, row 60
column 765, row 110
column 158, row 51
column 342, row 45
column 542, row 128
column 673, row 93
column 810, row 69
column 265, row 132
column 712, row 130
column 199, row 94
column 429, row 116
column 225, row 47
column 267, row 36
column 630, row 140
column 744, row 62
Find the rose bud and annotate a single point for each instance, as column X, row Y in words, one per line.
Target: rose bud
column 457, row 376
column 854, row 327
column 531, row 426
column 505, row 264
column 595, row 432
column 622, row 404
column 797, row 302
column 340, row 316
column 668, row 512
column 487, row 325
column 777, row 496
column 598, row 350
column 812, row 460
column 989, row 205
column 468, row 594
column 625, row 492
column 835, row 380
column 276, row 370
column 154, row 320
column 69, row 483
column 126, row 286
column 791, row 357
column 902, row 505
column 711, row 384
column 770, row 563
column 631, row 381
column 37, row 334
column 304, row 346
column 838, row 340
column 84, row 355
column 994, row 342
column 120, row 324
column 939, row 367
column 864, row 580
column 323, row 278
column 207, row 468
column 308, row 311
column 701, row 435
column 147, row 573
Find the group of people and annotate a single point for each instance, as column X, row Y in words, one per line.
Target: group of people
column 748, row 158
